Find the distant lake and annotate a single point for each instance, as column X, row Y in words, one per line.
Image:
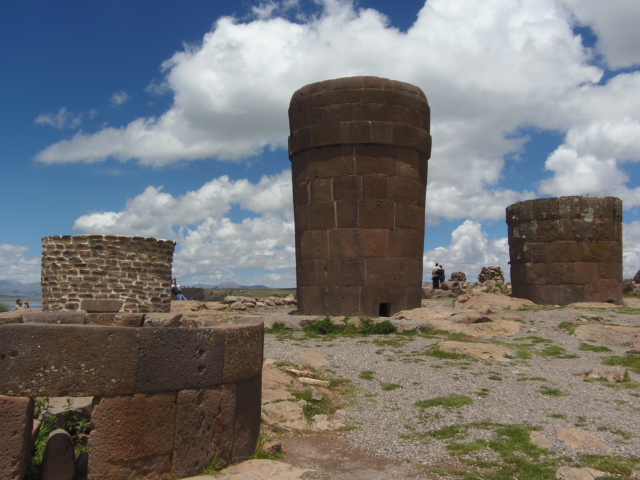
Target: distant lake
column 12, row 305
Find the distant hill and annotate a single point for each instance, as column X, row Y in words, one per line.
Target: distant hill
column 11, row 288
column 230, row 285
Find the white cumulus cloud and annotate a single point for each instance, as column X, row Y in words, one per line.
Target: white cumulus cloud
column 631, row 249
column 63, row 118
column 16, row 264
column 118, row 98
column 615, row 22
column 212, row 246
column 470, row 250
column 589, row 161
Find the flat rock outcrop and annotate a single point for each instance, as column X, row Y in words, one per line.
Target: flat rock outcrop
column 490, row 302
column 610, row 335
column 483, row 351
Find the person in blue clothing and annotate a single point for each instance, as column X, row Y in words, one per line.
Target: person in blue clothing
column 176, row 290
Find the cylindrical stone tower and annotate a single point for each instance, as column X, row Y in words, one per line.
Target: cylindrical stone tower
column 567, row 249
column 359, row 148
column 134, row 270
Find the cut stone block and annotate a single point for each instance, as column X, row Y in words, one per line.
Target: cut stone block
column 243, row 351
column 132, row 437
column 116, row 319
column 46, row 360
column 180, row 359
column 246, row 430
column 204, row 428
column 162, row 320
column 59, row 460
column 101, row 306
column 16, row 416
column 61, row 318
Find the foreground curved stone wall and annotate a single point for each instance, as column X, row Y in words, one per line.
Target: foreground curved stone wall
column 567, row 249
column 359, row 148
column 167, row 399
column 136, row 270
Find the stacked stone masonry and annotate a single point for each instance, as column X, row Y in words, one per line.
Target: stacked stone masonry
column 359, row 148
column 136, row 270
column 567, row 249
column 167, row 399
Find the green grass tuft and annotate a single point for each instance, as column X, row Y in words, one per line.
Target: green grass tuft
column 594, row 348
column 390, row 386
column 367, row 374
column 451, row 401
column 616, row 465
column 552, row 392
column 631, row 361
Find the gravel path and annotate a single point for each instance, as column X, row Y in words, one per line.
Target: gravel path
column 388, row 422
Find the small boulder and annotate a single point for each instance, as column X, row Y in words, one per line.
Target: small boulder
column 59, row 462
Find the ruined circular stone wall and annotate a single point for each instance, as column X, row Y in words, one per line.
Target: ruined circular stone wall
column 136, row 270
column 359, row 148
column 167, row 398
column 567, row 249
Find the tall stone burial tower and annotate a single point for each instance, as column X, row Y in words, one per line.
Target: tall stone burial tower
column 567, row 249
column 359, row 148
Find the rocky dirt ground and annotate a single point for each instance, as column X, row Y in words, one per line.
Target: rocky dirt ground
column 501, row 390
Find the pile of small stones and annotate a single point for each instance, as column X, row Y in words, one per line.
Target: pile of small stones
column 243, row 303
column 458, row 277
column 631, row 287
column 490, row 273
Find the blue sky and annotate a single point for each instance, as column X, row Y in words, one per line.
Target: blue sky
column 169, row 119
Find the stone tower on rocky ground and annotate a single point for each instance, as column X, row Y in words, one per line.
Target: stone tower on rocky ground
column 567, row 249
column 359, row 148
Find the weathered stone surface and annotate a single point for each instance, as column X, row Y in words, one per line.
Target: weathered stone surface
column 579, row 438
column 489, row 302
column 611, row 375
column 610, row 335
column 243, row 349
column 16, row 414
column 156, row 319
column 490, row 273
column 262, row 470
column 60, row 318
column 180, row 359
column 11, row 317
column 44, row 360
column 275, row 384
column 566, row 249
column 59, row 460
column 287, row 414
column 116, row 319
column 247, row 419
column 485, row 351
column 135, row 271
column 204, row 428
column 540, row 440
column 132, row 437
column 359, row 178
column 571, row 473
column 101, row 305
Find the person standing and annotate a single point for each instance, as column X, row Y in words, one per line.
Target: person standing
column 441, row 275
column 177, row 290
column 435, row 277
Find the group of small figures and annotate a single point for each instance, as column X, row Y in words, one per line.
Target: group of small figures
column 437, row 276
column 20, row 304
